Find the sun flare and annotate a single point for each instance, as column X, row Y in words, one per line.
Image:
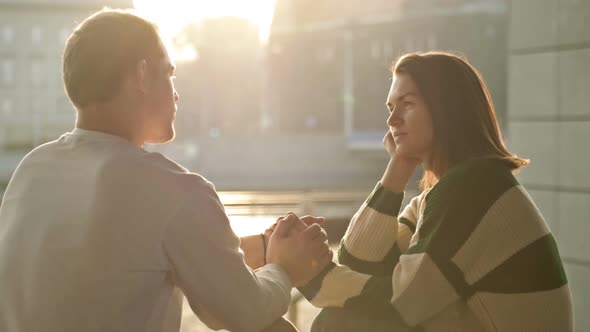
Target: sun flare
column 173, row 15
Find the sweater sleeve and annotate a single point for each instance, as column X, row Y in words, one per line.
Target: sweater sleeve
column 208, row 265
column 377, row 236
column 478, row 235
column 380, row 275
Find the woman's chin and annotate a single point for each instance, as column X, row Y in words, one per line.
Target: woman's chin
column 404, row 153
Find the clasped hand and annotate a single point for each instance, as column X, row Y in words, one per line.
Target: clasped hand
column 299, row 246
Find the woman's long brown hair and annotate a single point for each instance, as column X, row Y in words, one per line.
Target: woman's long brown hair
column 463, row 116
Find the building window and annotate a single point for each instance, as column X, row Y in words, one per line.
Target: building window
column 490, row 31
column 7, row 34
column 419, row 43
column 64, row 33
column 63, row 107
column 311, row 121
column 6, row 106
column 325, row 54
column 36, row 35
column 409, row 45
column 375, row 49
column 431, row 42
column 388, row 49
column 276, row 49
column 7, row 71
column 36, row 71
column 266, row 121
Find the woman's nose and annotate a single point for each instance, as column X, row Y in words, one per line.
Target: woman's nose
column 393, row 119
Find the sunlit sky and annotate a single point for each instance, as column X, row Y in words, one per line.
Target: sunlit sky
column 173, row 15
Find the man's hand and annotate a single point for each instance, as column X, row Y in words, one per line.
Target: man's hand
column 307, row 221
column 310, row 220
column 302, row 252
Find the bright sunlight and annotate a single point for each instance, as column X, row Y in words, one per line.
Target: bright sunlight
column 173, row 15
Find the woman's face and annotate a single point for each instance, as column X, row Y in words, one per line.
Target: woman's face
column 409, row 119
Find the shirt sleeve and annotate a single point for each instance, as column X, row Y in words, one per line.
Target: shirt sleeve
column 208, row 265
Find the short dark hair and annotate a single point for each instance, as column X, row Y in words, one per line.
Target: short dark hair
column 463, row 116
column 102, row 50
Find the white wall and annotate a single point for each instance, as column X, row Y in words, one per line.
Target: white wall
column 549, row 122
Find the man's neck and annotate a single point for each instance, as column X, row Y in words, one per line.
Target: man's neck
column 96, row 120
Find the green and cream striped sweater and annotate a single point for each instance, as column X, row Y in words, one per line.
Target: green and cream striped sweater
column 472, row 254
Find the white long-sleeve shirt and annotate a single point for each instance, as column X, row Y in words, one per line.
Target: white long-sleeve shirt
column 97, row 234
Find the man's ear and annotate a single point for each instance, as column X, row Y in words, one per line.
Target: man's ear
column 142, row 76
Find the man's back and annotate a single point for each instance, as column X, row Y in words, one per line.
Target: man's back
column 98, row 235
column 80, row 227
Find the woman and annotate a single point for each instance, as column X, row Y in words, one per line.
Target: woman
column 472, row 251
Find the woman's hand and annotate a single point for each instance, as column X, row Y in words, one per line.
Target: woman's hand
column 389, row 144
column 400, row 168
column 307, row 221
column 302, row 251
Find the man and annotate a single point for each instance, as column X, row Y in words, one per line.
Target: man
column 96, row 234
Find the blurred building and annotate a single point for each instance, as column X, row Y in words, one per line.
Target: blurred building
column 304, row 112
column 33, row 106
column 322, row 81
column 330, row 61
column 549, row 122
column 226, row 130
column 220, row 91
